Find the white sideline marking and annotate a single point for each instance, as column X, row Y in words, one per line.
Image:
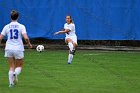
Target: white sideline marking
column 90, row 54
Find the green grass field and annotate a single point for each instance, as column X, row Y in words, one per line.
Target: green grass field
column 90, row 72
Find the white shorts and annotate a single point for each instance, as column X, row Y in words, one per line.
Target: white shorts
column 73, row 38
column 14, row 53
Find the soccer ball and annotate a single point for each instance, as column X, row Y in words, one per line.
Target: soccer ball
column 40, row 48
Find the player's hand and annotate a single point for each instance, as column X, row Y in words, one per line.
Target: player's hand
column 56, row 33
column 30, row 46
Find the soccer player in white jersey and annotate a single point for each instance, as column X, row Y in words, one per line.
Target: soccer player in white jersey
column 14, row 49
column 71, row 38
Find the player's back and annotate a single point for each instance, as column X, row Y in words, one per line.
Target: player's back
column 14, row 31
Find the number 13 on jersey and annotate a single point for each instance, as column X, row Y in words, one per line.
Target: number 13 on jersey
column 13, row 33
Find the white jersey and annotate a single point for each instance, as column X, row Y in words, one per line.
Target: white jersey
column 71, row 27
column 14, row 32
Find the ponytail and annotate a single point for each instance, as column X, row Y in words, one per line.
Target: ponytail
column 72, row 21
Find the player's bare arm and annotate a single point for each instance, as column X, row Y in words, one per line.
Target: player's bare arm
column 1, row 37
column 27, row 40
column 62, row 32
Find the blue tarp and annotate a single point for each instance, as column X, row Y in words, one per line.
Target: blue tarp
column 94, row 19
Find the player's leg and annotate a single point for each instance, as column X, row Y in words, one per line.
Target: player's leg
column 74, row 42
column 74, row 45
column 71, row 49
column 11, row 62
column 18, row 68
column 19, row 64
column 70, row 43
column 19, row 55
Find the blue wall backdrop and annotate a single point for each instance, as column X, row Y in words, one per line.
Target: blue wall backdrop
column 94, row 19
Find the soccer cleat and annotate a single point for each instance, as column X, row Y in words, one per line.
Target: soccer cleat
column 69, row 63
column 15, row 79
column 11, row 85
column 72, row 52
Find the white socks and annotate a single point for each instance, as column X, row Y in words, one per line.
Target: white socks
column 11, row 74
column 18, row 70
column 11, row 77
column 70, row 57
column 70, row 46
